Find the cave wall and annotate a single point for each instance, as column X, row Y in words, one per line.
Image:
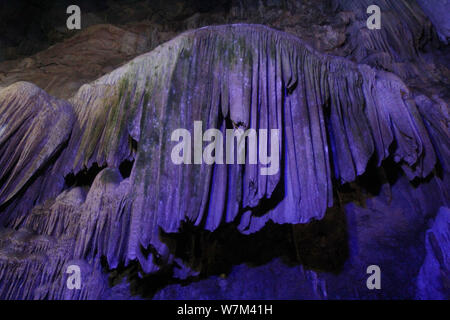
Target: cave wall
column 364, row 150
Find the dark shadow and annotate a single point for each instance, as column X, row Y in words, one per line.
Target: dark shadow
column 322, row 245
column 125, row 168
column 319, row 245
column 84, row 177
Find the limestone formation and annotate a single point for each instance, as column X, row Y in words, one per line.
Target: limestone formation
column 89, row 181
column 434, row 278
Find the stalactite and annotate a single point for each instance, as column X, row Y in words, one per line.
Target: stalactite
column 332, row 114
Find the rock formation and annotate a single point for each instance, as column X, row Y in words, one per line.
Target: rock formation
column 433, row 279
column 89, row 181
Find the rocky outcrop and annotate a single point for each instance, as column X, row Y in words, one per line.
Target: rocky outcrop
column 438, row 12
column 34, row 128
column 434, row 278
column 90, row 181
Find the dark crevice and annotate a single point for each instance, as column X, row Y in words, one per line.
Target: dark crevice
column 331, row 142
column 84, row 177
column 213, row 253
column 371, row 183
column 125, row 168
column 133, row 144
column 322, row 245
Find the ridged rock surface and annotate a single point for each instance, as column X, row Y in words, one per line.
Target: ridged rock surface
column 33, row 130
column 434, row 277
column 335, row 116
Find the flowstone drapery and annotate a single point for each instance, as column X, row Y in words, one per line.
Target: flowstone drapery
column 334, row 117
